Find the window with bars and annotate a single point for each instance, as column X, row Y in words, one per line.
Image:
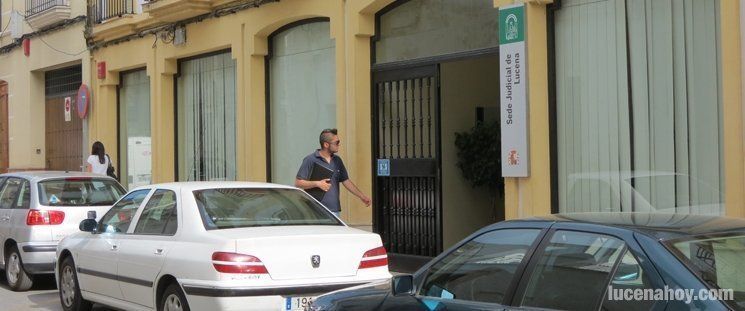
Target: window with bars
column 62, row 81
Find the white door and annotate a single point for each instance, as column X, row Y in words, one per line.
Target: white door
column 97, row 257
column 143, row 251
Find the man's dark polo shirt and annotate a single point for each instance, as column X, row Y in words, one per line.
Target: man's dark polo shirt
column 331, row 198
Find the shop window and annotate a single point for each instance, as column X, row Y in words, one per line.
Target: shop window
column 206, row 119
column 135, row 151
column 639, row 106
column 302, row 97
column 423, row 28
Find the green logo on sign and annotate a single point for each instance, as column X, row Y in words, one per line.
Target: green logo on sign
column 511, row 25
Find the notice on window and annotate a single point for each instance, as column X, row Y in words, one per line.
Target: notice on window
column 513, row 74
column 68, row 109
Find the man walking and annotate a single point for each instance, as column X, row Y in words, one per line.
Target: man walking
column 327, row 158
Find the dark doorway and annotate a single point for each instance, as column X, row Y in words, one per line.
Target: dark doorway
column 407, row 213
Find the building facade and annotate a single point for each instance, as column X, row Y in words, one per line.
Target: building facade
column 44, row 59
column 632, row 104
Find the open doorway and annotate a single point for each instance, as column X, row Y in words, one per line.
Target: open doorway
column 431, row 80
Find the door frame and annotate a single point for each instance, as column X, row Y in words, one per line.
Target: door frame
column 404, row 71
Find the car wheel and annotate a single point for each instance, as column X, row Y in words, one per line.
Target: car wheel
column 18, row 279
column 69, row 289
column 173, row 299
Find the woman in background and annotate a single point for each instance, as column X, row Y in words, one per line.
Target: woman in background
column 98, row 161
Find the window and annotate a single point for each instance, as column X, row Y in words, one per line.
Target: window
column 629, row 276
column 573, row 271
column 639, row 105
column 415, row 29
column 159, row 215
column 482, row 269
column 206, row 119
column 302, row 95
column 134, row 130
column 79, row 192
column 254, row 207
column 24, row 198
column 9, row 194
column 118, row 218
column 718, row 262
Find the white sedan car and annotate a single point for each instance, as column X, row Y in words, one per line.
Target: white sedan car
column 214, row 246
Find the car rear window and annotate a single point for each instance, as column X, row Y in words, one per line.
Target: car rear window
column 79, row 192
column 718, row 262
column 251, row 207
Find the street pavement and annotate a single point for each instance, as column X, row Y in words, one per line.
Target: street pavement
column 43, row 296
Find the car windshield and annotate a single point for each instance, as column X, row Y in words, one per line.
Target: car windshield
column 79, row 192
column 718, row 261
column 255, row 207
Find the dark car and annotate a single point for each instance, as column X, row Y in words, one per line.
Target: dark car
column 589, row 261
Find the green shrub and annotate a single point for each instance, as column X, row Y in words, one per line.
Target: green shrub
column 479, row 159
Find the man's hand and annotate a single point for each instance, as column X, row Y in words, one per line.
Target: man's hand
column 325, row 184
column 365, row 199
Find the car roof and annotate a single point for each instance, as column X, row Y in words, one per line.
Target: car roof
column 655, row 225
column 199, row 185
column 41, row 175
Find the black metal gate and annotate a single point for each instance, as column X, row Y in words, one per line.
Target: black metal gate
column 406, row 126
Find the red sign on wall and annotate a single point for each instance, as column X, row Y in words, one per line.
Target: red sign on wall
column 101, row 70
column 27, row 47
column 68, row 109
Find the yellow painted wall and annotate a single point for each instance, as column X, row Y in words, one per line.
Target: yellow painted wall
column 465, row 85
column 245, row 33
column 25, row 77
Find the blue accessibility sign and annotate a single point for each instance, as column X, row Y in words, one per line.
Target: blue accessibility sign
column 384, row 167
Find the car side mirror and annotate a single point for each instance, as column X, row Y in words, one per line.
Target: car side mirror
column 402, row 285
column 88, row 225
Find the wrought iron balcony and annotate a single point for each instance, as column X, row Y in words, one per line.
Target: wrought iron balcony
column 100, row 11
column 34, row 7
column 42, row 13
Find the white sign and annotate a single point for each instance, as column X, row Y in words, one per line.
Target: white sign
column 513, row 71
column 68, row 109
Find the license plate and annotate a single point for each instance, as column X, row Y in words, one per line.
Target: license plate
column 297, row 303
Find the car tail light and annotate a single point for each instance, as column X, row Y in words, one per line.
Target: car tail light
column 37, row 217
column 237, row 263
column 376, row 257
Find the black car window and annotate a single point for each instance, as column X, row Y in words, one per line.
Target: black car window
column 118, row 218
column 629, row 276
column 159, row 215
column 573, row 271
column 481, row 269
column 10, row 192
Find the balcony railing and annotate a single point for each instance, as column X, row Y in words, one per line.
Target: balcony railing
column 100, row 11
column 34, row 7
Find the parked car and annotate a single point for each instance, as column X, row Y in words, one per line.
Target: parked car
column 570, row 262
column 38, row 209
column 215, row 246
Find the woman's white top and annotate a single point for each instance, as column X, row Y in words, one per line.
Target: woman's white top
column 96, row 166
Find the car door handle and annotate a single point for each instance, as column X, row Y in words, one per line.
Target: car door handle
column 159, row 251
column 114, row 247
column 5, row 218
